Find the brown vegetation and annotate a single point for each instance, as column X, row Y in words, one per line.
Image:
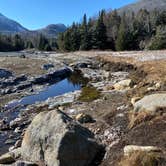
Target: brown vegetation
column 143, row 159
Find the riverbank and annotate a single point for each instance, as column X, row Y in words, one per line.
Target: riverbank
column 106, row 107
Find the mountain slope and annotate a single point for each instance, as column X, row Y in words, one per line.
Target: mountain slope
column 52, row 30
column 144, row 4
column 9, row 26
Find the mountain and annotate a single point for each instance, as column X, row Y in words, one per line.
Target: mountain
column 8, row 26
column 52, row 30
column 144, row 4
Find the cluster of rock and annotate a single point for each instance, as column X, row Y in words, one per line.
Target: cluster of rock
column 53, row 138
column 15, row 84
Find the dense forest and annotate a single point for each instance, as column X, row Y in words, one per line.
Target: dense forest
column 108, row 31
column 19, row 42
column 128, row 31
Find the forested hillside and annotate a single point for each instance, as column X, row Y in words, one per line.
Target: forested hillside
column 111, row 30
column 19, row 42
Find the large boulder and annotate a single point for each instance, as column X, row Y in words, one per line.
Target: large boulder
column 5, row 73
column 151, row 102
column 56, row 139
column 123, row 85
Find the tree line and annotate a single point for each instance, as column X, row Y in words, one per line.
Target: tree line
column 128, row 31
column 107, row 31
column 19, row 42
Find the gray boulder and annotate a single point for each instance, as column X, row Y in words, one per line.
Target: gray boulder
column 56, row 139
column 151, row 102
column 5, row 73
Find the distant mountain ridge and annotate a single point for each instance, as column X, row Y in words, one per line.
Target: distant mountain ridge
column 144, row 4
column 52, row 29
column 8, row 26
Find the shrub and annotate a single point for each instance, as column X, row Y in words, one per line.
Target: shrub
column 89, row 94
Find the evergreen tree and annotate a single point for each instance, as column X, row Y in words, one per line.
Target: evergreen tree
column 101, row 32
column 60, row 41
column 42, row 42
column 29, row 45
column 121, row 38
column 158, row 42
column 75, row 37
column 84, row 34
column 67, row 41
column 18, row 43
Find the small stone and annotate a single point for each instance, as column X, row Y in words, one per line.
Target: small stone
column 11, row 148
column 134, row 100
column 18, row 144
column 158, row 85
column 25, row 163
column 129, row 149
column 18, row 130
column 9, row 141
column 14, row 123
column 151, row 89
column 84, row 118
column 124, row 85
column 16, row 153
column 6, row 159
column 121, row 115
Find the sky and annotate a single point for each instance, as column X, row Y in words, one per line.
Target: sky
column 35, row 14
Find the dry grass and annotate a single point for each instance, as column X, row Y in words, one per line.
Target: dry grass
column 135, row 118
column 29, row 66
column 155, row 69
column 143, row 159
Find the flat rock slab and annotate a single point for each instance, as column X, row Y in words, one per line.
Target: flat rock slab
column 151, row 102
column 130, row 149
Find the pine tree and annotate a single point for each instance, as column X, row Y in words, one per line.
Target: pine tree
column 101, row 32
column 75, row 37
column 67, row 41
column 18, row 43
column 29, row 45
column 42, row 42
column 84, row 34
column 121, row 38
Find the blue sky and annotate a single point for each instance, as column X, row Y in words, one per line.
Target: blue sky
column 34, row 14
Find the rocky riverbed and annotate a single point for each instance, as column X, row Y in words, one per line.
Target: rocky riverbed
column 73, row 104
